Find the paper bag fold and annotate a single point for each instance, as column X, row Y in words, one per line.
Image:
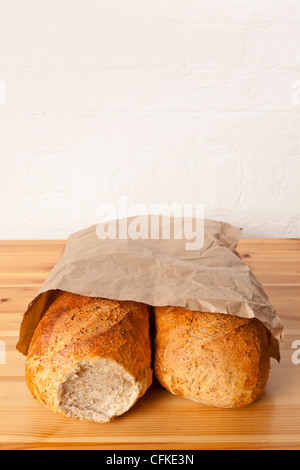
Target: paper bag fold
column 159, row 273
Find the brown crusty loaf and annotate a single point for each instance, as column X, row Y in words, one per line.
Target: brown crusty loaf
column 90, row 358
column 216, row 359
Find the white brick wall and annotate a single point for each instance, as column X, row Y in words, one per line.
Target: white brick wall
column 165, row 101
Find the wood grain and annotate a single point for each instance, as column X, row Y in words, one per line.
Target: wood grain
column 159, row 421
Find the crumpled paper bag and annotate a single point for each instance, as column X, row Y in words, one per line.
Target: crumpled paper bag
column 159, row 272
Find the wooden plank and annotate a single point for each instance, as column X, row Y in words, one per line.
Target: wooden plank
column 275, row 272
column 17, row 263
column 10, row 324
column 14, row 300
column 38, row 246
column 286, row 301
column 271, row 256
column 164, row 419
column 269, row 244
column 25, row 269
column 159, row 420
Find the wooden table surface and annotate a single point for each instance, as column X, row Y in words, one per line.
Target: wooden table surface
column 159, row 421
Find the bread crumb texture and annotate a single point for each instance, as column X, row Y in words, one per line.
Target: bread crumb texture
column 90, row 358
column 211, row 358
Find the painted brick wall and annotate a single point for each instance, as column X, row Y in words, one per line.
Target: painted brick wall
column 194, row 101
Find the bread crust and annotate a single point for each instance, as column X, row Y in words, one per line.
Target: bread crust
column 211, row 358
column 77, row 329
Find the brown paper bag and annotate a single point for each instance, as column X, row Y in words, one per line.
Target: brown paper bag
column 158, row 272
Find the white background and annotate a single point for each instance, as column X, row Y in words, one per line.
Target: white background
column 163, row 101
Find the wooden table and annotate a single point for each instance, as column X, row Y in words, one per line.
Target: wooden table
column 159, row 421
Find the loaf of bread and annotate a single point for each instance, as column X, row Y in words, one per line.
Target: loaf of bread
column 90, row 358
column 215, row 359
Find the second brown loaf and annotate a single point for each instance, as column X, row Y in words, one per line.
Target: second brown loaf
column 216, row 359
column 90, row 358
